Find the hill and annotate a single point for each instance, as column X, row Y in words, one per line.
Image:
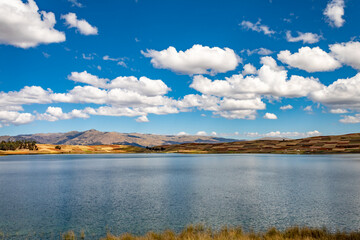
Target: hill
column 349, row 143
column 94, row 137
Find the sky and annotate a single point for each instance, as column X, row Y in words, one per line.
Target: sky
column 239, row 69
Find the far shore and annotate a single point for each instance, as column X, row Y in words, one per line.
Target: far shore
column 338, row 144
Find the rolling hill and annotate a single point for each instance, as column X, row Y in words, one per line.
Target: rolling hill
column 94, row 137
column 349, row 143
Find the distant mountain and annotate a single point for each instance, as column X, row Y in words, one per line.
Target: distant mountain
column 94, row 137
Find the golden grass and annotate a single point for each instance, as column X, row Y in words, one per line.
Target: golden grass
column 77, row 149
column 199, row 232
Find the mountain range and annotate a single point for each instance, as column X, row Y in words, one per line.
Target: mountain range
column 94, row 137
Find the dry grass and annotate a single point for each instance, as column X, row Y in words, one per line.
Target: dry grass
column 199, row 232
column 77, row 149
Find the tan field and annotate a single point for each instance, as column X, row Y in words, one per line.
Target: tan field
column 76, row 149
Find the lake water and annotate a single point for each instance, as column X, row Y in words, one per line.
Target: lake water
column 48, row 194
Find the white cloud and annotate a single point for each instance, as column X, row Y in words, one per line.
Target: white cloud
column 283, row 134
column 142, row 119
column 309, row 59
column 123, row 96
column 23, row 25
column 334, row 11
column 260, row 51
column 201, row 133
column 239, row 97
column 351, row 119
column 308, row 108
column 82, row 25
column 237, row 114
column 225, row 107
column 347, row 53
column 271, row 80
column 304, row 37
column 257, row 27
column 55, row 113
column 213, row 134
column 182, row 134
column 108, row 58
column 287, row 107
column 76, row 3
column 270, row 116
column 87, row 57
column 248, row 69
column 264, row 51
column 27, row 95
column 196, row 60
column 143, row 85
column 343, row 94
column 338, row 111
column 15, row 118
column 119, row 61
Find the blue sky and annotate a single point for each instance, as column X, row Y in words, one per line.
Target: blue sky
column 241, row 69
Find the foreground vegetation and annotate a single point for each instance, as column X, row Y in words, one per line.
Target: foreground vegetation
column 199, row 232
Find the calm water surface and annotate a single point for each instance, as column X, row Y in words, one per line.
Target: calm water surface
column 49, row 194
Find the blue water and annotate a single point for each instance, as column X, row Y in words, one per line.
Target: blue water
column 48, row 194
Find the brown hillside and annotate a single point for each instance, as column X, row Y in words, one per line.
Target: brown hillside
column 349, row 143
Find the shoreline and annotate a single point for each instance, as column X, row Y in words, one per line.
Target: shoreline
column 200, row 232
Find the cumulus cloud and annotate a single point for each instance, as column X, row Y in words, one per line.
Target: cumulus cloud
column 196, row 60
column 257, row 27
column 201, row 133
column 225, row 107
column 334, row 12
column 182, row 134
column 310, row 60
column 82, row 25
column 248, row 69
column 338, row 111
column 27, row 95
column 239, row 96
column 55, row 113
column 270, row 116
column 351, row 119
column 343, row 94
column 23, row 25
column 286, row 107
column 304, row 37
column 15, row 118
column 347, row 53
column 283, row 134
column 143, row 85
column 271, row 80
column 123, row 96
column 308, row 108
column 142, row 119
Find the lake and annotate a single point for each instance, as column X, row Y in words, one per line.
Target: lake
column 45, row 195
